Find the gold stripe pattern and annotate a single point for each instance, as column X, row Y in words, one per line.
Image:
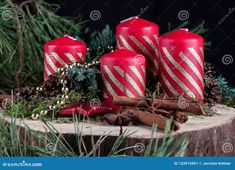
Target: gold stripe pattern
column 140, row 45
column 118, row 44
column 176, row 79
column 70, row 57
column 202, row 51
column 194, row 53
column 51, row 63
column 129, row 94
column 47, row 71
column 156, row 38
column 182, row 70
column 167, row 83
column 105, row 95
column 134, row 84
column 191, row 65
column 137, row 73
column 143, row 69
column 149, row 41
column 144, row 50
column 109, row 87
column 80, row 56
column 113, row 78
column 57, row 57
column 125, row 43
column 119, row 70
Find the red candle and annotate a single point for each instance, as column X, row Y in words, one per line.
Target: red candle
column 62, row 51
column 140, row 36
column 181, row 64
column 123, row 74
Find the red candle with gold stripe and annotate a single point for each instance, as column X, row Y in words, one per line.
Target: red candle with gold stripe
column 140, row 36
column 181, row 64
column 62, row 51
column 123, row 74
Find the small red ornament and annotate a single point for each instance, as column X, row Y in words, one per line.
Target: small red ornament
column 85, row 109
column 182, row 63
column 123, row 74
column 62, row 51
column 140, row 36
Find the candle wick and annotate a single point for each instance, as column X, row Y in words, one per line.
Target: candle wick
column 185, row 29
column 128, row 19
column 69, row 37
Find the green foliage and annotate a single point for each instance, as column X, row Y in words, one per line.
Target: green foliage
column 22, row 36
column 36, row 104
column 169, row 146
column 25, row 108
column 228, row 92
column 100, row 43
column 84, row 79
column 103, row 38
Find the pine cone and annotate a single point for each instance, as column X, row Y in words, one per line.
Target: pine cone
column 212, row 91
column 25, row 92
column 53, row 86
column 209, row 70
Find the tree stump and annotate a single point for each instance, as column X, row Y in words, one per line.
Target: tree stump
column 207, row 135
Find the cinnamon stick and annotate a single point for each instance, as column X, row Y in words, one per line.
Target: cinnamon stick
column 174, row 105
column 167, row 104
column 163, row 112
column 180, row 117
column 128, row 101
column 147, row 118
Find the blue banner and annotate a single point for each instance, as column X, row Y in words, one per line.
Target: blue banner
column 119, row 163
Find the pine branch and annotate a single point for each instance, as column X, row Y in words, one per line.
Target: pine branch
column 22, row 37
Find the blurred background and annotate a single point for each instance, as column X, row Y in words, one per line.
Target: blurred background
column 219, row 17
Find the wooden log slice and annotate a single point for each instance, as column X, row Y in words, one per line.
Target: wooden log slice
column 207, row 135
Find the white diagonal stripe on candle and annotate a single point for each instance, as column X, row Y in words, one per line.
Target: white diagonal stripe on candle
column 109, row 88
column 195, row 54
column 70, row 57
column 191, row 65
column 50, row 63
column 129, row 94
column 134, row 84
column 80, row 56
column 144, row 50
column 113, row 78
column 118, row 44
column 57, row 57
column 168, row 84
column 156, row 38
column 176, row 79
column 143, row 69
column 137, row 73
column 149, row 41
column 105, row 95
column 182, row 71
column 47, row 71
column 119, row 70
column 140, row 45
column 201, row 49
column 125, row 43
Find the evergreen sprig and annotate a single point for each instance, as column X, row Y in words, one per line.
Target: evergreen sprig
column 83, row 78
column 228, row 92
column 100, row 43
column 24, row 29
